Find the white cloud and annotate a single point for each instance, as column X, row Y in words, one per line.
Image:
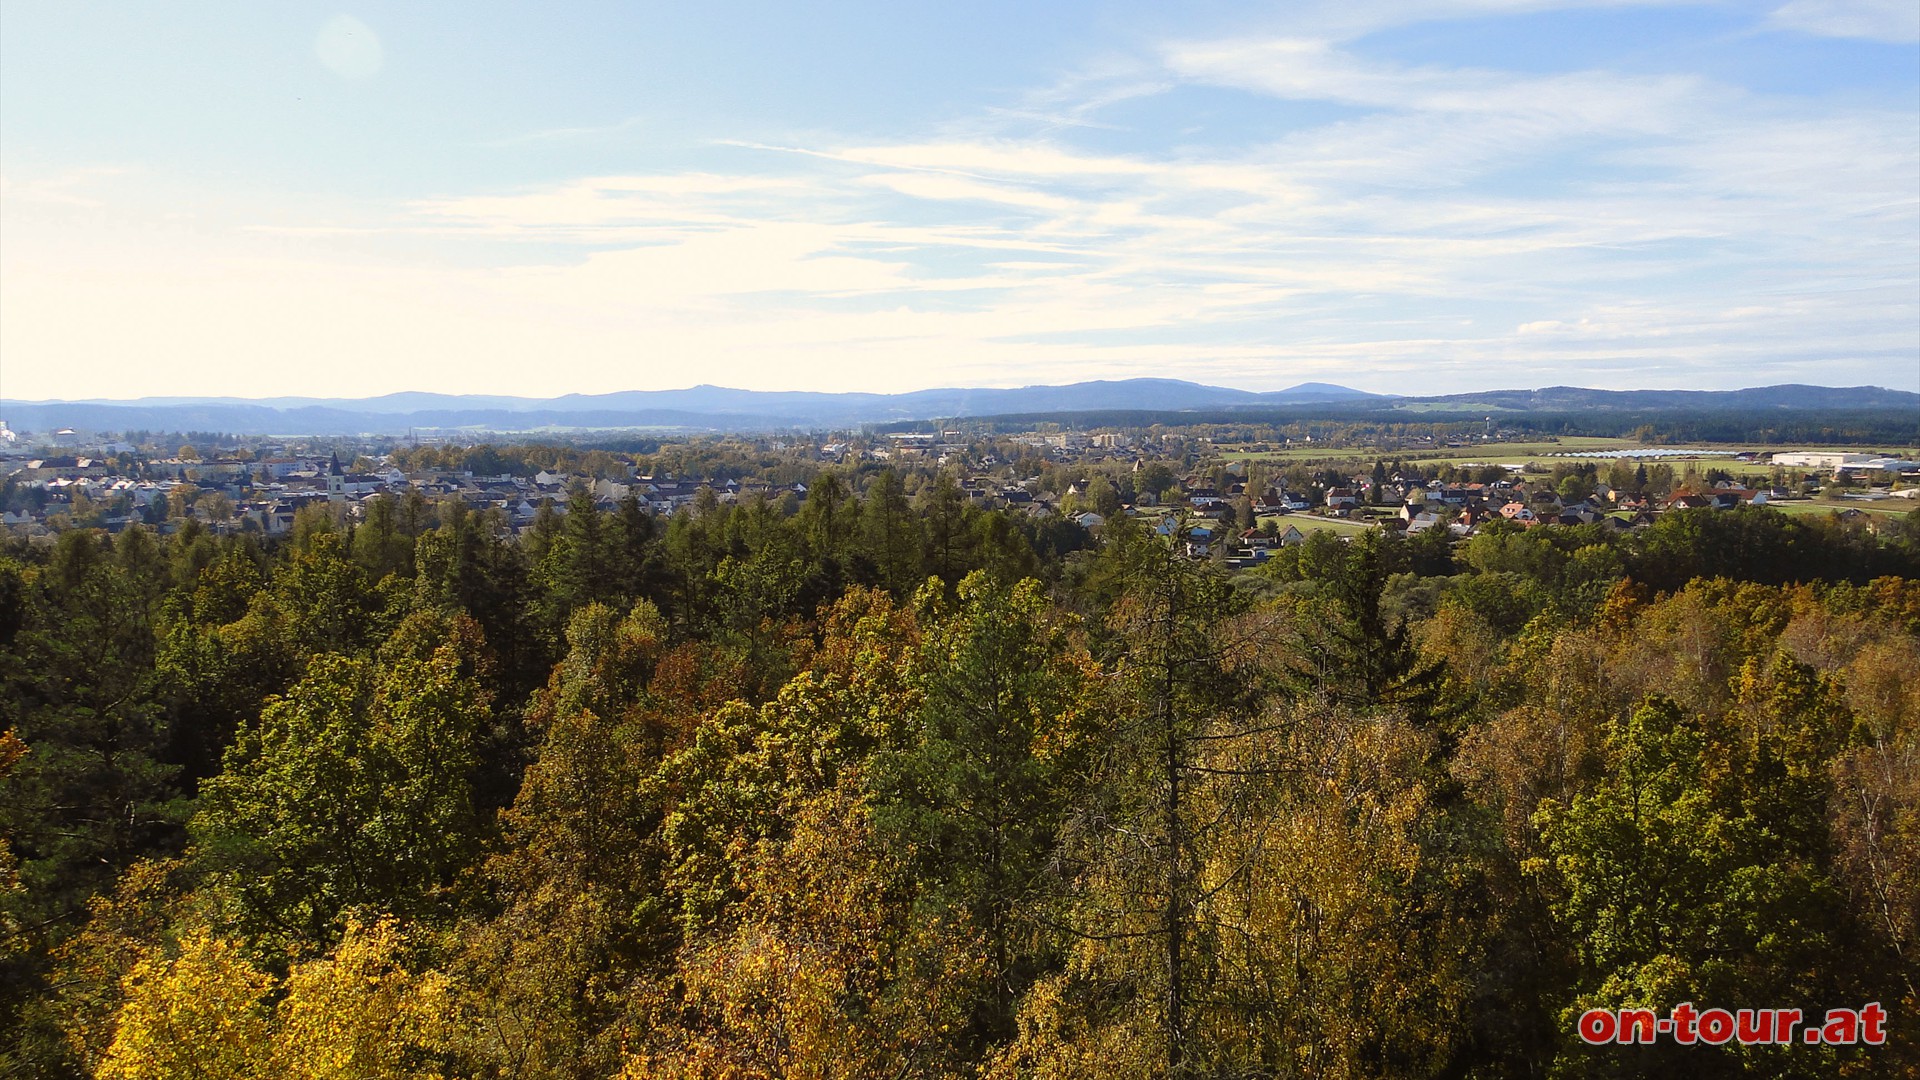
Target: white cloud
column 710, row 268
column 1312, row 70
column 561, row 134
column 1347, row 20
column 68, row 188
column 1875, row 20
column 924, row 186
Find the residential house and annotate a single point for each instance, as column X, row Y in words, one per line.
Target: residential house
column 1471, row 517
column 1578, row 514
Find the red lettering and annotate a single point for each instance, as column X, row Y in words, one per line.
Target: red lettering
column 1636, row 1026
column 1873, row 1021
column 1716, row 1026
column 1683, row 1018
column 1752, row 1027
column 1842, row 1026
column 1597, row 1026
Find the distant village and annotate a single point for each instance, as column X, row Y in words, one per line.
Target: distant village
column 1210, row 505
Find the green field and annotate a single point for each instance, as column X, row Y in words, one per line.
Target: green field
column 1540, row 451
column 1823, row 507
column 1312, row 523
column 1500, row 452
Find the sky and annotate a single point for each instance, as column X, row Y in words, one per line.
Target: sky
column 1415, row 196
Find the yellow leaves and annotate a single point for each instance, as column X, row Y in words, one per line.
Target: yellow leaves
column 198, row 1015
column 866, row 636
column 92, row 965
column 1303, row 900
column 824, row 972
column 354, row 1014
column 11, row 750
column 1623, row 602
column 1066, row 1032
column 1881, row 688
column 358, row 1013
column 1528, row 754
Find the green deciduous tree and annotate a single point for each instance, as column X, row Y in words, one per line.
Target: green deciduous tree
column 1698, row 869
column 353, row 791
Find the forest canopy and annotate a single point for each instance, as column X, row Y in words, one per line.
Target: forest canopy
column 888, row 784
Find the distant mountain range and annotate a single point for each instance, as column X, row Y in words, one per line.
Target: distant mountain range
column 703, row 407
column 716, row 408
column 1788, row 396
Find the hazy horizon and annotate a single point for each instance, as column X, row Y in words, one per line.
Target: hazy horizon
column 483, row 395
column 931, row 387
column 1418, row 198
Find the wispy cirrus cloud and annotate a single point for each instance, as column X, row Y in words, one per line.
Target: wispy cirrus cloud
column 567, row 134
column 1875, row 20
column 1588, row 102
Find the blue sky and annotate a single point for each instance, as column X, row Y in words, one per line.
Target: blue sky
column 1416, row 196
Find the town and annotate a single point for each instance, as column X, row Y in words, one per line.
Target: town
column 1234, row 502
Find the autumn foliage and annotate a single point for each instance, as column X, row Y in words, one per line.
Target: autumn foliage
column 891, row 788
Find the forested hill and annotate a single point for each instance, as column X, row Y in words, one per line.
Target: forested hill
column 1790, row 396
column 722, row 409
column 890, row 785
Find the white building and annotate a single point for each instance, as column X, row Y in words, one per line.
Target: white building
column 1821, row 460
